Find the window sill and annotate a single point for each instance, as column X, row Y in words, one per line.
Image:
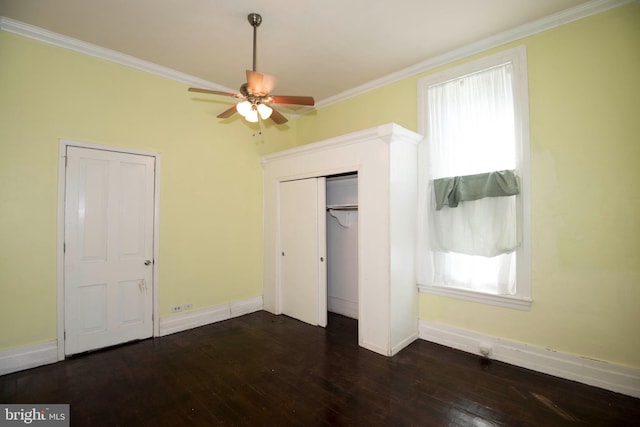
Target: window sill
column 515, row 302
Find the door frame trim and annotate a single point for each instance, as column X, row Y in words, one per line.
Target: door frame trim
column 62, row 151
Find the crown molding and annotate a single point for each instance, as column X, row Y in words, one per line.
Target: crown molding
column 552, row 21
column 49, row 37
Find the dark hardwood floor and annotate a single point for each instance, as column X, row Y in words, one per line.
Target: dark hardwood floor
column 264, row 370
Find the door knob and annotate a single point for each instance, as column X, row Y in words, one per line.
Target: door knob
column 147, row 262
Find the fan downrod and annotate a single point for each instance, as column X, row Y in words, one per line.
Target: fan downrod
column 255, row 20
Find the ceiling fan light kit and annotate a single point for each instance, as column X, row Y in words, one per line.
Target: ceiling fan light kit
column 254, row 94
column 243, row 108
column 265, row 111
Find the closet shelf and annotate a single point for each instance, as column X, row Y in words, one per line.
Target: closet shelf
column 343, row 207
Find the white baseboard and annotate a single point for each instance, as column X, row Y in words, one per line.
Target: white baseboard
column 28, row 357
column 402, row 344
column 43, row 354
column 193, row 319
column 240, row 308
column 342, row 306
column 373, row 347
column 617, row 378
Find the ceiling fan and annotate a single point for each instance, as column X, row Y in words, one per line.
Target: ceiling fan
column 255, row 93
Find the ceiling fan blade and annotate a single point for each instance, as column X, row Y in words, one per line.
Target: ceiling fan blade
column 259, row 84
column 215, row 92
column 277, row 117
column 293, row 100
column 227, row 113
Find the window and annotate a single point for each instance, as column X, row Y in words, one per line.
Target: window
column 474, row 219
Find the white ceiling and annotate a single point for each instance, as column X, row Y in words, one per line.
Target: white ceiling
column 320, row 48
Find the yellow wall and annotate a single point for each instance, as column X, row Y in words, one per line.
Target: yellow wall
column 211, row 179
column 584, row 95
column 584, row 103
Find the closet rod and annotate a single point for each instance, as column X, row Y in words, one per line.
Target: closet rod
column 342, row 207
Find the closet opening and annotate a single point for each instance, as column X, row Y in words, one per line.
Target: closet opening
column 342, row 250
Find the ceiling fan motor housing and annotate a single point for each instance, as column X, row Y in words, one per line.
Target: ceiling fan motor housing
column 254, row 99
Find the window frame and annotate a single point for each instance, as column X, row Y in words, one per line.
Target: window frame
column 517, row 56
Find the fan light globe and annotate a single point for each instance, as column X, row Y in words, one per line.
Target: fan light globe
column 243, row 108
column 252, row 116
column 265, row 111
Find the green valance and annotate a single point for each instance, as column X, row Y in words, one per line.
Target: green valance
column 453, row 190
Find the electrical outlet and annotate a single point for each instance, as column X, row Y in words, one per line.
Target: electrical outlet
column 187, row 306
column 176, row 308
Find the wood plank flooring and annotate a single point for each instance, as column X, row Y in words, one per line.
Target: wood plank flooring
column 266, row 370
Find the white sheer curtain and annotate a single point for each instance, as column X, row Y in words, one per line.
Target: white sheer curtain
column 470, row 131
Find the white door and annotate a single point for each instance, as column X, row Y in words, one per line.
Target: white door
column 303, row 273
column 108, row 276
